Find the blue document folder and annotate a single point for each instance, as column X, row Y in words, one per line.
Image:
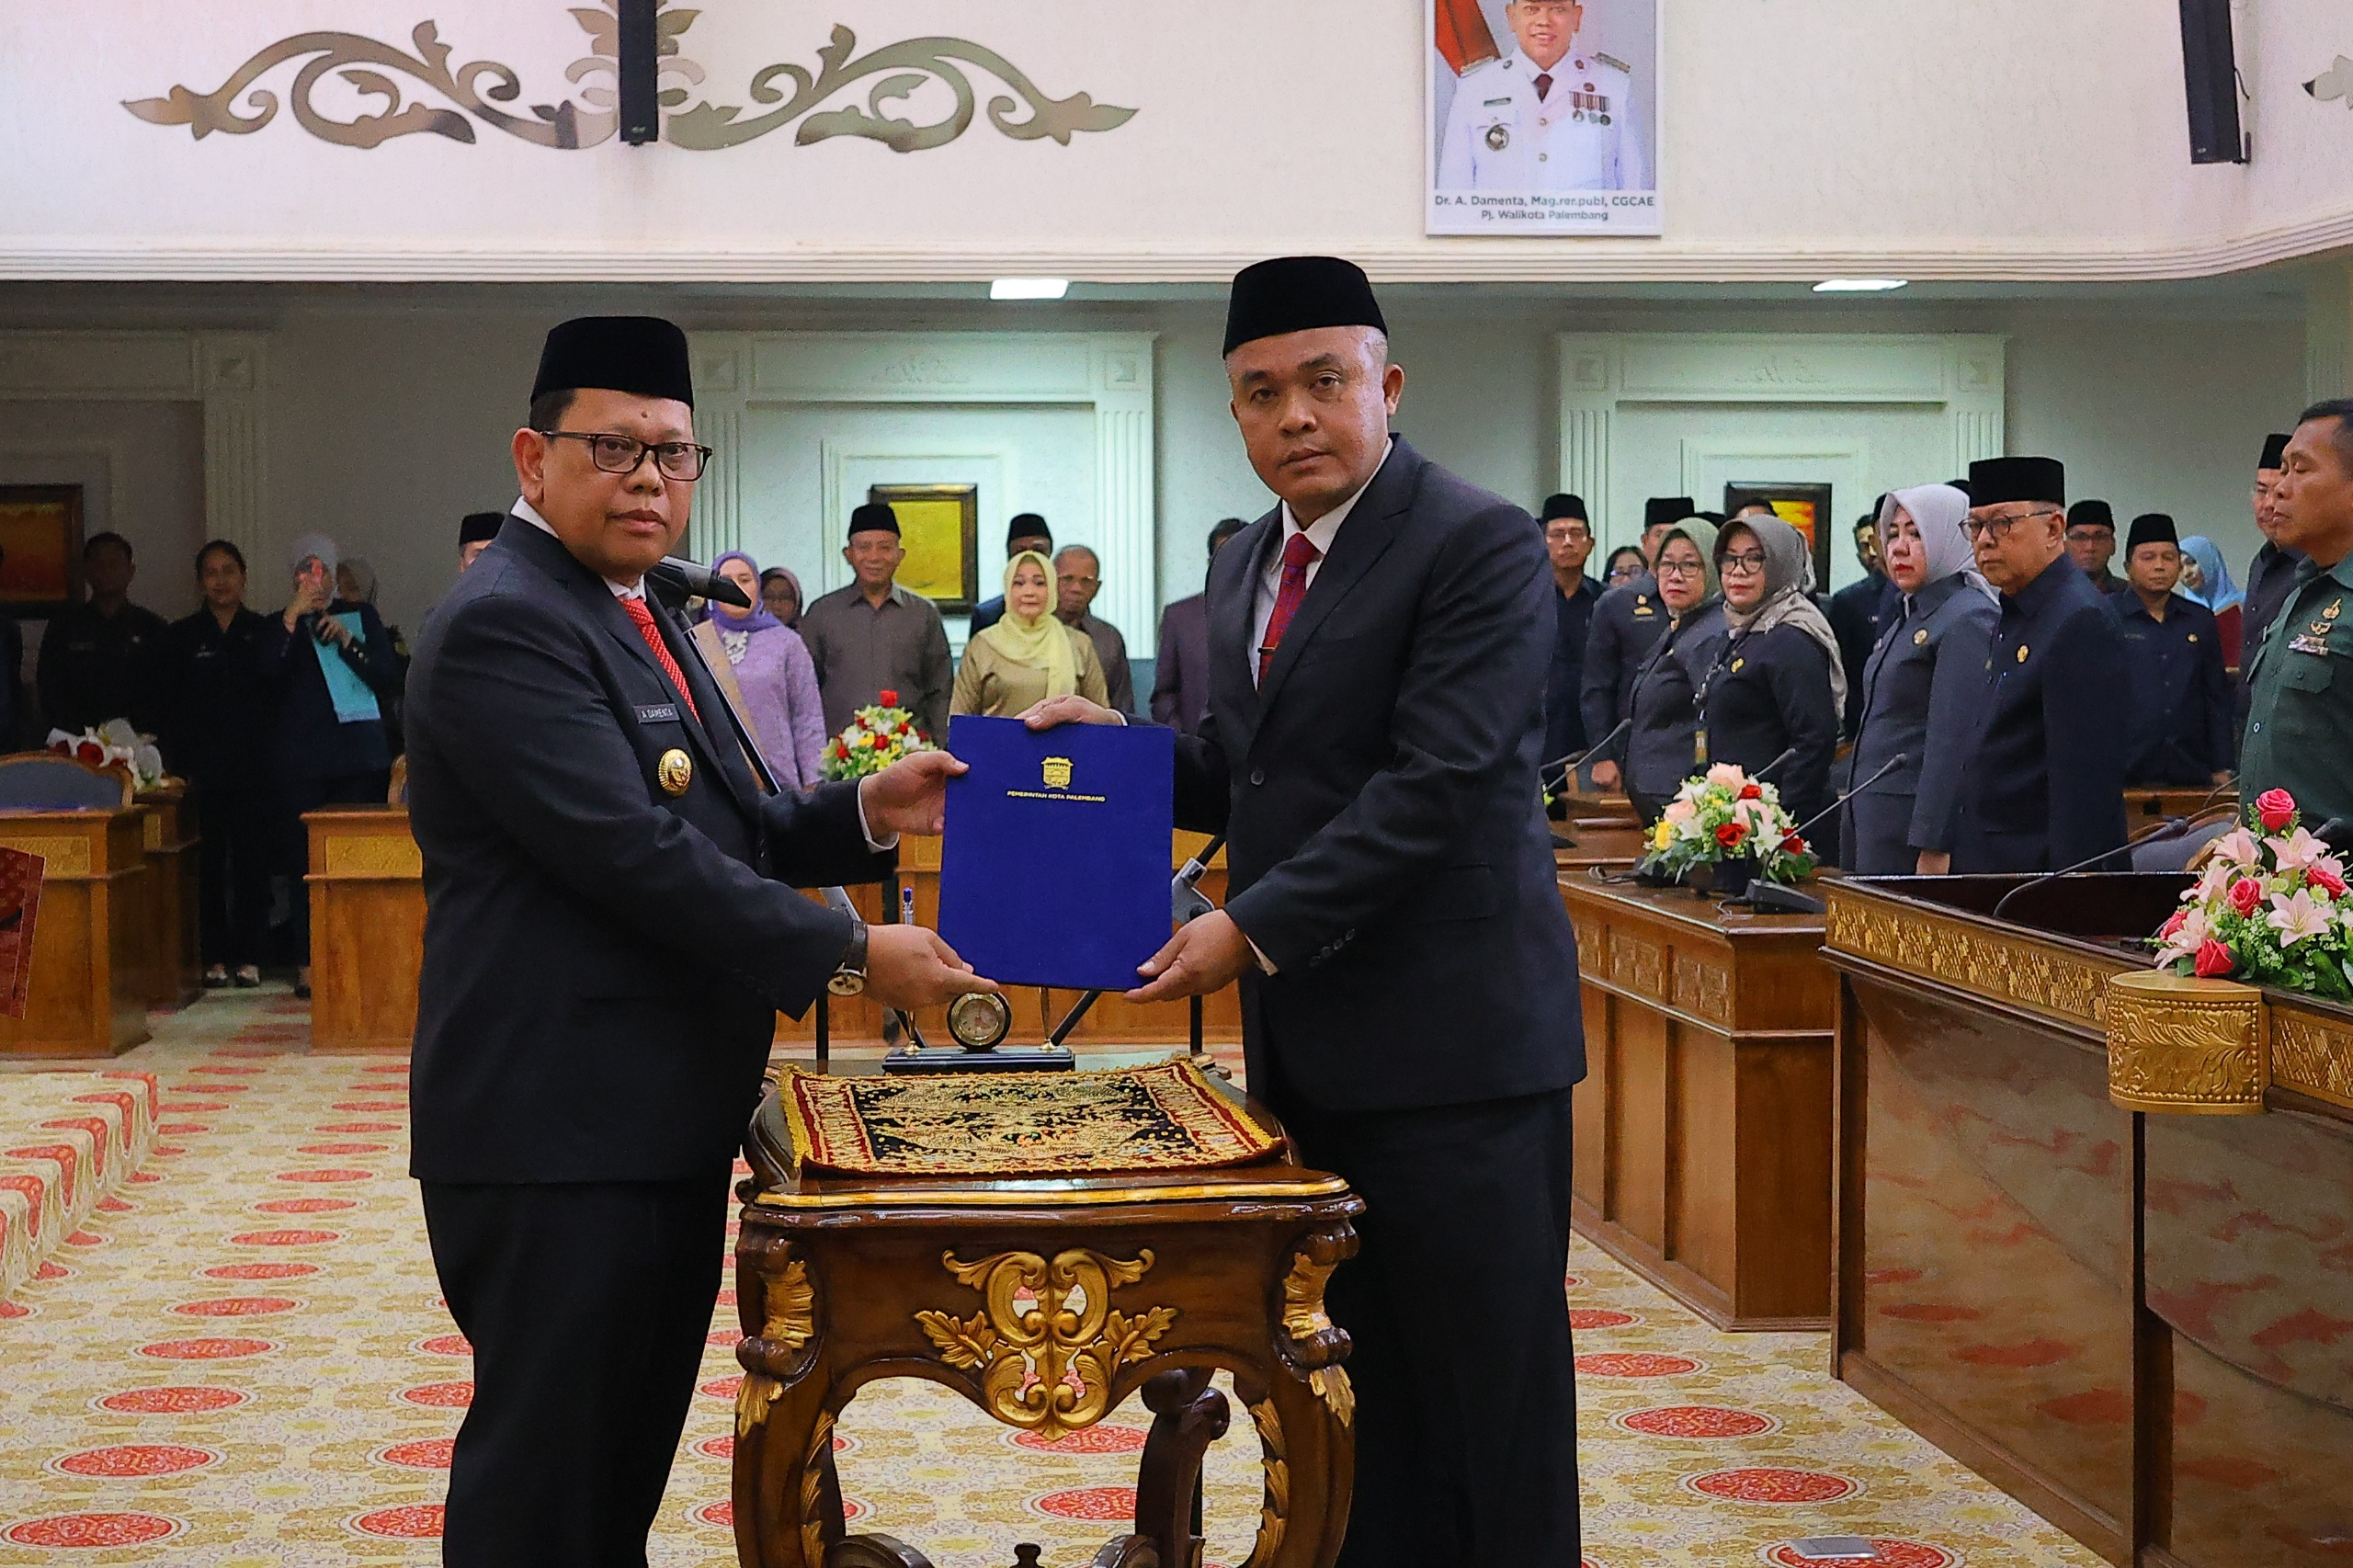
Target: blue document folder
column 1053, row 868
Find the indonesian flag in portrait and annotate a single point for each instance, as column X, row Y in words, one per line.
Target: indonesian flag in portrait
column 1462, row 35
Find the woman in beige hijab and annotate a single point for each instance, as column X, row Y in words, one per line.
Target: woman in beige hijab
column 1028, row 655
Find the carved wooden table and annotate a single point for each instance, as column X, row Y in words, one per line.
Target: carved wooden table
column 367, row 882
column 1046, row 1303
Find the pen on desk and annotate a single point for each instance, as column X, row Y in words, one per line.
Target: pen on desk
column 908, row 904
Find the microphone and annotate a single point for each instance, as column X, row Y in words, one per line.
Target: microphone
column 1763, row 895
column 1758, row 777
column 1892, row 763
column 1186, row 902
column 2174, row 828
column 680, row 580
column 1568, row 765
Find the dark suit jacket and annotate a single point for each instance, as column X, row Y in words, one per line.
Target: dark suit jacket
column 1661, row 750
column 2044, row 786
column 2184, row 710
column 1858, row 613
column 1767, row 693
column 1180, row 674
column 1920, row 689
column 603, row 961
column 1626, row 624
column 1387, row 850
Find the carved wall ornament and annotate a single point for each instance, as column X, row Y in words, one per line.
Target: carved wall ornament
column 2334, row 85
column 2183, row 1045
column 1047, row 1368
column 440, row 98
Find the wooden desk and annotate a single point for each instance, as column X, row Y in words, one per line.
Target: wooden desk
column 1599, row 841
column 2133, row 1322
column 89, row 985
column 174, row 956
column 1703, row 1126
column 844, row 1279
column 367, row 882
column 1111, row 1022
column 2143, row 806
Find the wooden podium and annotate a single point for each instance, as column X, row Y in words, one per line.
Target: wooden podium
column 1703, row 1126
column 174, row 956
column 2133, row 1317
column 90, row 967
column 367, row 880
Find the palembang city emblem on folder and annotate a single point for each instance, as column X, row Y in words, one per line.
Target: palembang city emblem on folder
column 1057, row 772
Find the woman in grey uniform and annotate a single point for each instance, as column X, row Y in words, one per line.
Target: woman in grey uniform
column 1662, row 749
column 1920, row 689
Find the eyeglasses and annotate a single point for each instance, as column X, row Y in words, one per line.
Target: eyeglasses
column 1999, row 528
column 1680, row 569
column 2086, row 536
column 621, row 454
column 1741, row 560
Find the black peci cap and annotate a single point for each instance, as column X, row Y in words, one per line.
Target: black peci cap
column 2275, row 449
column 2150, row 528
column 479, row 526
column 1563, row 506
column 1027, row 525
column 1660, row 509
column 1299, row 294
column 643, row 356
column 2092, row 513
column 873, row 517
column 1993, row 482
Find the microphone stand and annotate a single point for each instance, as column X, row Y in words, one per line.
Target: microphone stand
column 1569, row 764
column 1765, row 896
column 2174, row 828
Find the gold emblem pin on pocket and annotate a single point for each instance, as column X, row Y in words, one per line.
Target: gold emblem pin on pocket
column 1920, row 637
column 2021, row 652
column 675, row 771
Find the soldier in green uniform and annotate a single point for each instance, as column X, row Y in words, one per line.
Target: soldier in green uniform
column 2299, row 717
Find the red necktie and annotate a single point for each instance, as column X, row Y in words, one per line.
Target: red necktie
column 1544, row 85
column 1299, row 554
column 642, row 614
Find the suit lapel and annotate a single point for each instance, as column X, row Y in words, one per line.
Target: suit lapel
column 1231, row 611
column 708, row 702
column 1363, row 538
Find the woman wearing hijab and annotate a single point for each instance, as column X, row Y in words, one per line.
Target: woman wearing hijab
column 337, row 676
column 1662, row 746
column 780, row 592
column 2206, row 577
column 1028, row 655
column 774, row 673
column 1776, row 688
column 1919, row 688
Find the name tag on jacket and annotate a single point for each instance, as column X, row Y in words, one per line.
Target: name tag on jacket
column 659, row 713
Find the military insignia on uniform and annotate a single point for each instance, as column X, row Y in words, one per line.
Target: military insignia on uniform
column 1498, row 138
column 1920, row 637
column 1496, row 103
column 2193, row 637
column 1605, row 120
column 1736, row 664
column 2021, row 652
column 1614, row 62
column 2336, row 607
column 675, row 772
column 2308, row 645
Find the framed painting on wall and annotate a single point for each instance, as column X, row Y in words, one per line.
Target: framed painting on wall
column 1805, row 508
column 939, row 528
column 40, row 549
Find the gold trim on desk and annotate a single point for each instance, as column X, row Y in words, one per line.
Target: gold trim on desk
column 2008, row 969
column 383, row 857
column 2180, row 1045
column 61, row 857
column 1016, row 1198
column 2311, row 1055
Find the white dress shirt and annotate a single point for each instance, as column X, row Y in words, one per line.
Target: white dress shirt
column 1319, row 534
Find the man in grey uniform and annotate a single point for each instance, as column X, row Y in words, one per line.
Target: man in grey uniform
column 1543, row 118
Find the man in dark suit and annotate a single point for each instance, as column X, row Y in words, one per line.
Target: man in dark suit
column 2044, row 786
column 1377, row 653
column 609, row 936
column 1181, row 672
column 1568, row 543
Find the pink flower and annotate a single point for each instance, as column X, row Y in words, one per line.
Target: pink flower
column 2296, row 851
column 2235, row 847
column 2180, row 918
column 1727, row 775
column 2184, row 939
column 2247, row 896
column 2297, row 919
column 2328, row 878
column 2213, row 960
column 1677, row 812
column 2273, row 809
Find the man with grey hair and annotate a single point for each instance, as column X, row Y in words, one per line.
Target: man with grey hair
column 1078, row 577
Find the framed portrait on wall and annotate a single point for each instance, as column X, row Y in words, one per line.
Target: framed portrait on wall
column 1805, row 508
column 40, row 549
column 939, row 527
column 1541, row 116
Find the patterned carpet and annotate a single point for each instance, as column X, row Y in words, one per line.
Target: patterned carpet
column 245, row 1362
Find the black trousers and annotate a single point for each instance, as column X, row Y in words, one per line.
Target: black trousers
column 1458, row 1308
column 238, row 845
column 587, row 1305
column 298, row 795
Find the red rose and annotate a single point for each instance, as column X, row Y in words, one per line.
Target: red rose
column 2180, row 918
column 2213, row 960
column 2274, row 809
column 1752, row 792
column 1731, row 834
column 2323, row 878
column 91, row 753
column 1792, row 844
column 887, row 699
column 2247, row 896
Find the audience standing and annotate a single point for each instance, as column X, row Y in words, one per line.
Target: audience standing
column 333, row 664
column 1568, row 543
column 1029, row 654
column 1078, row 577
column 1920, row 687
column 2206, row 579
column 1860, row 612
column 2183, row 708
column 780, row 592
column 1025, row 531
column 875, row 636
column 217, row 737
column 2300, row 724
column 1625, row 565
column 1180, row 671
column 773, row 673
column 475, row 533
column 1626, row 624
column 2272, row 575
column 2091, row 543
column 1770, row 701
column 104, row 658
column 1661, row 741
column 2043, row 786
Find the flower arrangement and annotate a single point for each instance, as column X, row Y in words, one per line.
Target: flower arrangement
column 876, row 736
column 1723, row 815
column 113, row 742
column 2268, row 908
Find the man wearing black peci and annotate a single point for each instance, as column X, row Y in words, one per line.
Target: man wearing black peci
column 609, row 931
column 1377, row 645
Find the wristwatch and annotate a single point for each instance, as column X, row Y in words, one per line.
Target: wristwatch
column 850, row 977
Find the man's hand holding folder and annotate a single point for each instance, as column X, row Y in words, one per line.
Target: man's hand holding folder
column 1205, row 955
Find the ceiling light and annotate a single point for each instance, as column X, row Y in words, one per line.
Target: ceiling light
column 1860, row 285
column 1029, row 287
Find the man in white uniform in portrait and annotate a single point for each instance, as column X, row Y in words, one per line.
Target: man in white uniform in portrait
column 1543, row 118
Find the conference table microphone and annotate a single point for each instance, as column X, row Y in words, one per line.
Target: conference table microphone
column 2172, row 828
column 685, row 580
column 1569, row 764
column 1759, row 776
column 1763, row 895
